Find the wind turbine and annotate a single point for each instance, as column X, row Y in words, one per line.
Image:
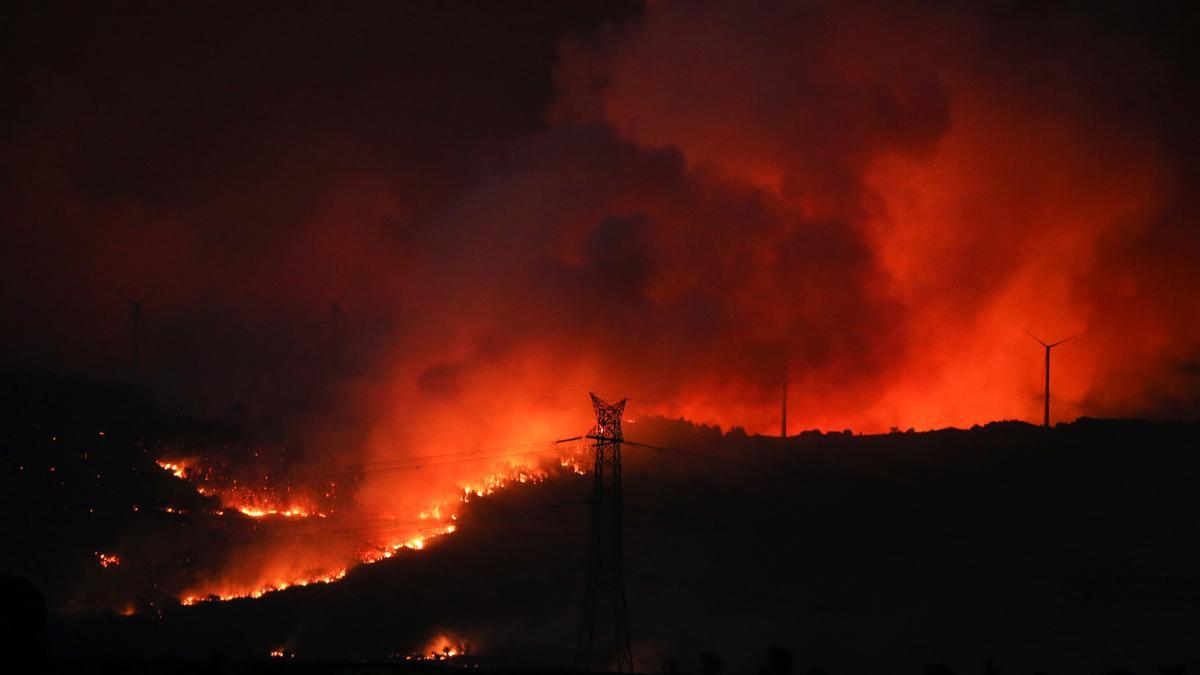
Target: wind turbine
column 1052, row 345
column 135, row 314
column 335, row 308
column 783, row 406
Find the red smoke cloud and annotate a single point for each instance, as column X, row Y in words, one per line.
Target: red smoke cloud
column 985, row 184
column 879, row 197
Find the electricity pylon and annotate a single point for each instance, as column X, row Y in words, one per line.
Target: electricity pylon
column 604, row 628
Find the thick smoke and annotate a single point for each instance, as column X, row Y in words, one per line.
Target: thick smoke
column 880, row 199
column 995, row 170
column 873, row 199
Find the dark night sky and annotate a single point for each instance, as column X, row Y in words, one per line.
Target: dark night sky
column 181, row 104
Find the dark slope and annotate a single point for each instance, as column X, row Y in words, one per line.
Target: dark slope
column 1065, row 550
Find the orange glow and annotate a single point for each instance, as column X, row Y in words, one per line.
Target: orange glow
column 441, row 648
column 108, row 559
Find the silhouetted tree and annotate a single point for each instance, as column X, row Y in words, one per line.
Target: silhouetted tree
column 779, row 661
column 711, row 664
column 22, row 621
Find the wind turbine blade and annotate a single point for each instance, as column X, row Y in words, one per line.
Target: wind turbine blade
column 1065, row 340
column 1039, row 340
column 115, row 292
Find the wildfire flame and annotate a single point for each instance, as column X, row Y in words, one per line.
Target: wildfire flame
column 441, row 648
column 108, row 559
column 572, row 462
column 251, row 501
column 176, row 468
column 192, row 599
column 436, row 520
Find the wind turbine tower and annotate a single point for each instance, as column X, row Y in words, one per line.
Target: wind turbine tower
column 783, row 411
column 1048, row 347
column 335, row 308
column 135, row 315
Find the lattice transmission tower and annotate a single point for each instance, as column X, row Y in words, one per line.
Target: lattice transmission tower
column 604, row 628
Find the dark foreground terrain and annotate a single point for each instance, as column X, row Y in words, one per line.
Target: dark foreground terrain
column 1005, row 548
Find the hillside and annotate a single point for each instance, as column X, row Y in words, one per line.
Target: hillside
column 883, row 553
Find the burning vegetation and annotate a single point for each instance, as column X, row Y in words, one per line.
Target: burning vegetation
column 256, row 499
column 281, row 551
column 441, row 648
